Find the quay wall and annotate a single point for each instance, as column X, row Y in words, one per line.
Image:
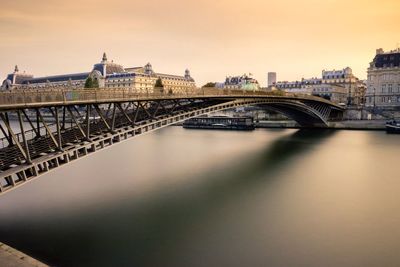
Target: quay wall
column 10, row 257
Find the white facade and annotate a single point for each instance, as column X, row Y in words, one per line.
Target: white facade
column 383, row 83
column 332, row 86
column 108, row 75
column 243, row 82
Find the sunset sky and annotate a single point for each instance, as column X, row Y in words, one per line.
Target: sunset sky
column 211, row 38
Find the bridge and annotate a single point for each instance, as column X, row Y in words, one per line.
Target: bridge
column 48, row 128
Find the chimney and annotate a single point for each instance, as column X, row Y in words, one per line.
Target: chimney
column 379, row 51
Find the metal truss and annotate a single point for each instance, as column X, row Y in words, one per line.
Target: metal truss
column 59, row 134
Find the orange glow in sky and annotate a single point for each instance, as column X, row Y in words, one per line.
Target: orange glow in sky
column 211, row 38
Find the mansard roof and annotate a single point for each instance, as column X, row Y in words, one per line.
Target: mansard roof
column 133, row 69
column 387, row 60
column 171, row 76
column 58, row 78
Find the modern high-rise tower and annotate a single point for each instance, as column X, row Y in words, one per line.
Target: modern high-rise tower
column 271, row 78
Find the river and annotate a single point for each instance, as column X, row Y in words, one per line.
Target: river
column 179, row 197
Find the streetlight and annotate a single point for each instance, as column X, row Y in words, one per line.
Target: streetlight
column 374, row 99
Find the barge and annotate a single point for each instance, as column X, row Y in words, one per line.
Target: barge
column 393, row 127
column 220, row 123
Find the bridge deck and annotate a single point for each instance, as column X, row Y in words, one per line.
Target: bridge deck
column 60, row 97
column 101, row 118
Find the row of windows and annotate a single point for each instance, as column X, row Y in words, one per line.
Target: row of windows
column 329, row 90
column 391, row 65
column 55, row 84
column 384, row 99
column 386, row 58
column 385, row 77
column 333, row 76
column 148, row 80
column 390, row 88
column 124, row 80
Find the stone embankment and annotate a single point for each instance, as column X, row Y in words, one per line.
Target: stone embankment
column 10, row 257
column 348, row 124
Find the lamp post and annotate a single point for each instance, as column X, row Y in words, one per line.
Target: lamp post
column 374, row 99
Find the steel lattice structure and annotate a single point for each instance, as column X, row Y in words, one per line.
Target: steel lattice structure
column 65, row 125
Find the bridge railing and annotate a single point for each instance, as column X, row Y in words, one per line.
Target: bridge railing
column 32, row 97
column 57, row 95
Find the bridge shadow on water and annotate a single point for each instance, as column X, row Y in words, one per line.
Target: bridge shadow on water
column 125, row 233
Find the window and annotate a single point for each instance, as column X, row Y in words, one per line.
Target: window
column 383, row 88
column 390, row 88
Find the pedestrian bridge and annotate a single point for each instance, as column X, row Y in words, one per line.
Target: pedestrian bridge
column 48, row 128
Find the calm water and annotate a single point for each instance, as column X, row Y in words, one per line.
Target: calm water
column 214, row 198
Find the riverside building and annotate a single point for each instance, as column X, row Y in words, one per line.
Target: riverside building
column 345, row 78
column 243, row 82
column 340, row 86
column 108, row 75
column 383, row 82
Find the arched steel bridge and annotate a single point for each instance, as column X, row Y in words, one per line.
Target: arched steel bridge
column 58, row 126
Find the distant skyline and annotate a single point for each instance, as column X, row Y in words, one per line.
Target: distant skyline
column 212, row 38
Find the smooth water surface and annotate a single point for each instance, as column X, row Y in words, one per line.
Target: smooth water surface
column 180, row 197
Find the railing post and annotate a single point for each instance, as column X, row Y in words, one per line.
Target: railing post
column 64, row 98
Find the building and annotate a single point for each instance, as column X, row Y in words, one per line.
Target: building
column 345, row 78
column 305, row 86
column 244, row 82
column 383, row 81
column 332, row 85
column 271, row 78
column 334, row 93
column 108, row 75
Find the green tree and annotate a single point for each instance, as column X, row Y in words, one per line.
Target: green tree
column 159, row 83
column 159, row 87
column 89, row 82
column 95, row 83
column 209, row 84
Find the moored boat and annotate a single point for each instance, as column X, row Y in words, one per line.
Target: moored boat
column 393, row 126
column 220, row 123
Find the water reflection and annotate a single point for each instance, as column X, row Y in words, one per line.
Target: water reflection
column 271, row 207
column 131, row 232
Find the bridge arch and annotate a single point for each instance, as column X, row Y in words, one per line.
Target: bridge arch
column 84, row 122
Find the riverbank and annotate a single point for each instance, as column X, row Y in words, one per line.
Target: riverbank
column 341, row 125
column 10, row 257
column 378, row 125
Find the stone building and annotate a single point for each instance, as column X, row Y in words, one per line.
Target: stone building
column 108, row 75
column 337, row 94
column 340, row 86
column 243, row 82
column 305, row 86
column 383, row 82
column 345, row 78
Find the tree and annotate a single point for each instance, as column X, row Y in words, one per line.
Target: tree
column 159, row 86
column 89, row 82
column 95, row 83
column 159, row 83
column 209, row 84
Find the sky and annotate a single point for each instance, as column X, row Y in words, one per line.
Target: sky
column 213, row 38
